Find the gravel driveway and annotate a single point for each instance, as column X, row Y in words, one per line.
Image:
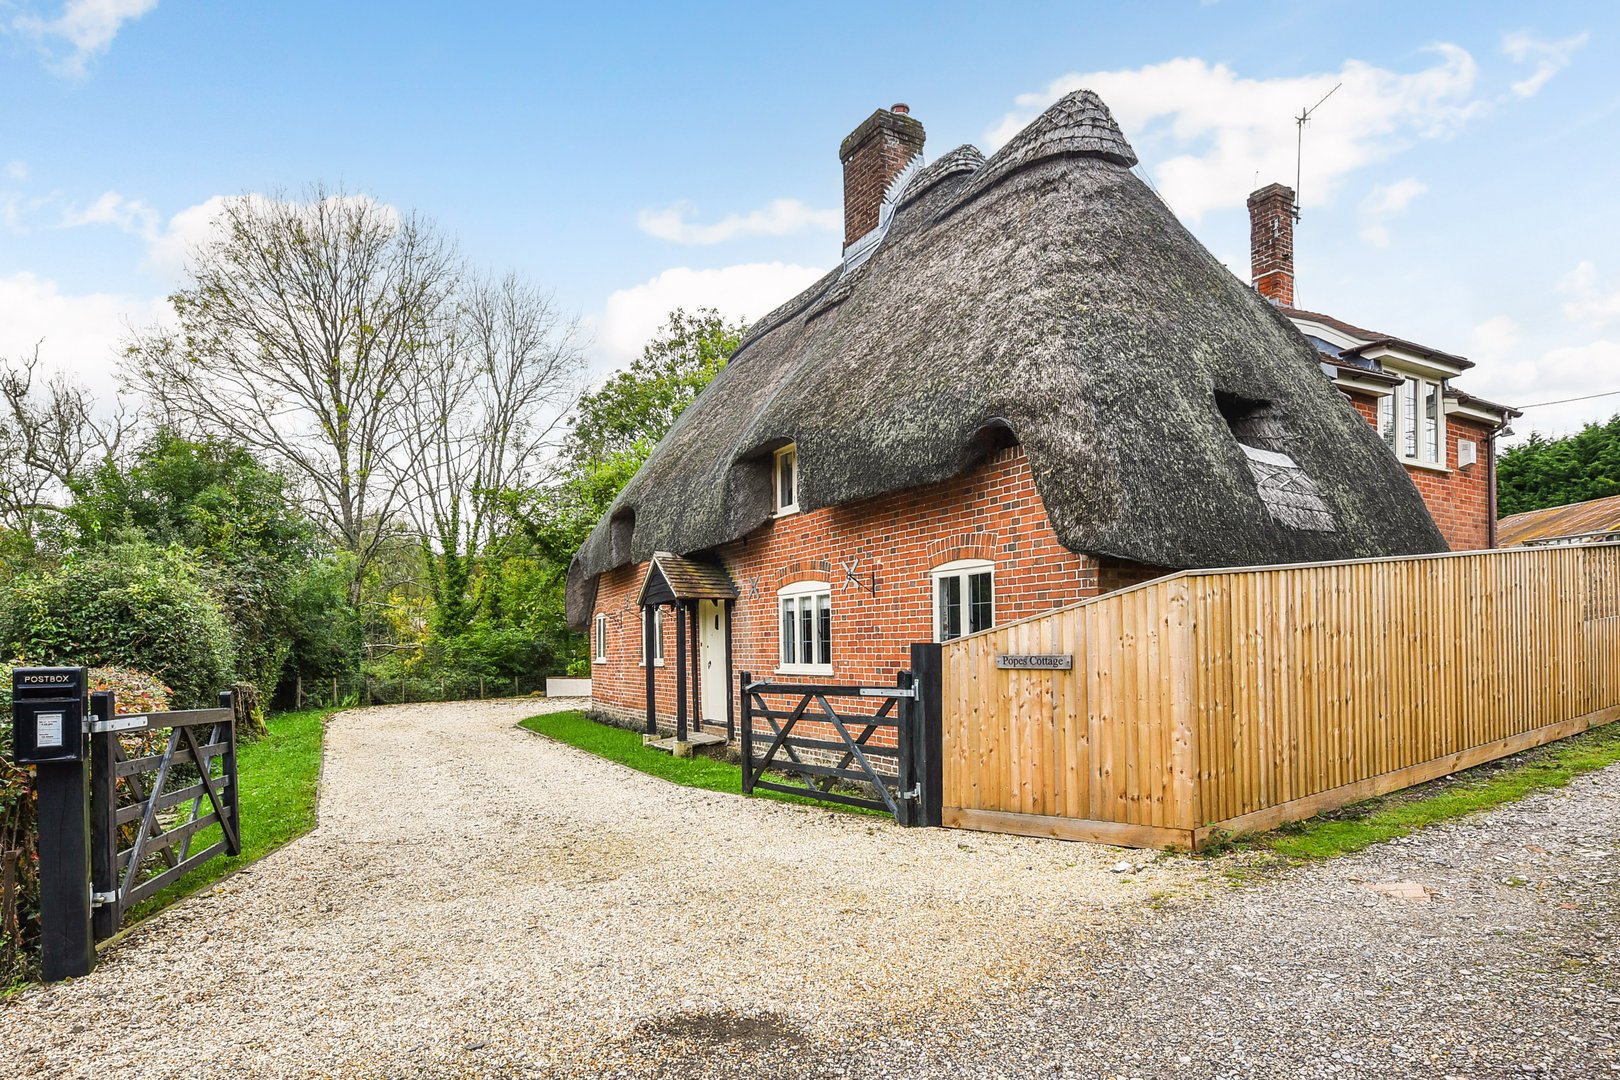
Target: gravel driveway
column 478, row 899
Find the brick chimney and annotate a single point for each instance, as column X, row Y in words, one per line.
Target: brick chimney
column 1271, row 243
column 873, row 154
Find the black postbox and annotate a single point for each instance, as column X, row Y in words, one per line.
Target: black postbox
column 48, row 707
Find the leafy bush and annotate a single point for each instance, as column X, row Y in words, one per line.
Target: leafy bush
column 129, row 606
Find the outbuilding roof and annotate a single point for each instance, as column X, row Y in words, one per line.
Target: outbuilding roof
column 1048, row 295
column 1557, row 522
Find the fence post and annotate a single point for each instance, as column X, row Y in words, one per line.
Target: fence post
column 928, row 671
column 105, row 917
column 747, row 734
column 909, row 779
column 227, row 700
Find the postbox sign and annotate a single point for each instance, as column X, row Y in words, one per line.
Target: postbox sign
column 48, row 708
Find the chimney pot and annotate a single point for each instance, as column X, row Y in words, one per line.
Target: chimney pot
column 873, row 155
column 901, row 108
column 1271, row 243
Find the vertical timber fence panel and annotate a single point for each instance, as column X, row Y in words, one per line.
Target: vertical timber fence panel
column 1235, row 700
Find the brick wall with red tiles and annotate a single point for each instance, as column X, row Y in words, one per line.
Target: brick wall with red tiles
column 876, row 555
column 1458, row 497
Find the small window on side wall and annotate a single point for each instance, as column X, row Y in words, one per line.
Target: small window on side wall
column 964, row 598
column 785, row 480
column 599, row 654
column 658, row 637
column 806, row 628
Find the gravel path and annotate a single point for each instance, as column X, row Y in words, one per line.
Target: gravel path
column 479, row 900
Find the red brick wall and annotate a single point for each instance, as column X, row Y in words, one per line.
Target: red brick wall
column 1458, row 499
column 992, row 512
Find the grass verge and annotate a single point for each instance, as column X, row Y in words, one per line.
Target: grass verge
column 1399, row 813
column 278, row 775
column 624, row 747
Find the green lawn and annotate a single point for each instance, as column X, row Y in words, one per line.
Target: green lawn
column 278, row 775
column 1482, row 788
column 624, row 747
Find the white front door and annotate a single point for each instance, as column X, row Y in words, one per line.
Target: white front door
column 714, row 681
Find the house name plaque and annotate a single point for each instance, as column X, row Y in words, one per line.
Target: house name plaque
column 1035, row 661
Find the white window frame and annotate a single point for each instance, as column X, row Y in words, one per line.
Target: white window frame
column 802, row 594
column 599, row 652
column 658, row 638
column 788, row 503
column 965, row 569
column 1398, row 429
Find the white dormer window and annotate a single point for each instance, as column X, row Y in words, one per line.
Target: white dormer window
column 1412, row 421
column 785, row 482
column 600, row 654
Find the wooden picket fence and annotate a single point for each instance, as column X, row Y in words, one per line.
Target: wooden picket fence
column 1230, row 701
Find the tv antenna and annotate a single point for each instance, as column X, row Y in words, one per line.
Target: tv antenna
column 1300, row 121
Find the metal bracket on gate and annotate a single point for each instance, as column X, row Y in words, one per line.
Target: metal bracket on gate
column 887, row 691
column 117, row 723
column 913, row 793
column 99, row 899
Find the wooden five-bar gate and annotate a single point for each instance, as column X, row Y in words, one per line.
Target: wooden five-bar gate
column 877, row 747
column 1234, row 700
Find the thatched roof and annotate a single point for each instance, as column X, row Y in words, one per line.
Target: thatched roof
column 1048, row 293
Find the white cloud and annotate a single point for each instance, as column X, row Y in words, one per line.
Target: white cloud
column 779, row 217
column 76, row 334
column 1550, row 57
column 745, row 291
column 111, row 208
column 1588, row 302
column 1386, row 201
column 1494, row 341
column 84, row 30
column 16, row 171
column 1209, row 134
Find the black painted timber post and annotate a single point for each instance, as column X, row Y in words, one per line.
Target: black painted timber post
column 649, row 620
column 107, row 915
column 680, row 673
column 927, row 668
column 694, row 624
column 731, row 715
column 747, row 734
column 233, row 837
column 910, row 773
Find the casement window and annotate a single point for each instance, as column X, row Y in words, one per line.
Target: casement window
column 1413, row 421
column 785, row 480
column 805, row 610
column 964, row 598
column 658, row 637
column 600, row 652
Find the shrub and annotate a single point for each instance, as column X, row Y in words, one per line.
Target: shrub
column 131, row 606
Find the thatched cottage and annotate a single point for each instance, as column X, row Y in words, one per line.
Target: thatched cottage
column 1025, row 384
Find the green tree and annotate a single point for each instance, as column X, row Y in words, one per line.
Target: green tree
column 215, row 499
column 1543, row 472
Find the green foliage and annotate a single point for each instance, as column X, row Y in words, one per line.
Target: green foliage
column 216, row 500
column 638, row 406
column 1542, row 472
column 130, row 605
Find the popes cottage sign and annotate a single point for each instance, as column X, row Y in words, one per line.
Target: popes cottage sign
column 1035, row 661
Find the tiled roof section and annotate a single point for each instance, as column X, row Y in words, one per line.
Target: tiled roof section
column 1079, row 125
column 1356, row 371
column 1375, row 337
column 693, row 579
column 1577, row 519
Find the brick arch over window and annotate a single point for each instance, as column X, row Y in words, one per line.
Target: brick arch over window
column 976, row 545
column 804, row 570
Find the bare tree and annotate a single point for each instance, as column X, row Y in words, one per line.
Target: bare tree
column 302, row 335
column 488, row 410
column 50, row 437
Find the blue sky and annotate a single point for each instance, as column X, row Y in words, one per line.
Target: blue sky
column 1459, row 189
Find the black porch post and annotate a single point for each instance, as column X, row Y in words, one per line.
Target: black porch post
column 731, row 716
column 680, row 672
column 649, row 619
column 694, row 624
